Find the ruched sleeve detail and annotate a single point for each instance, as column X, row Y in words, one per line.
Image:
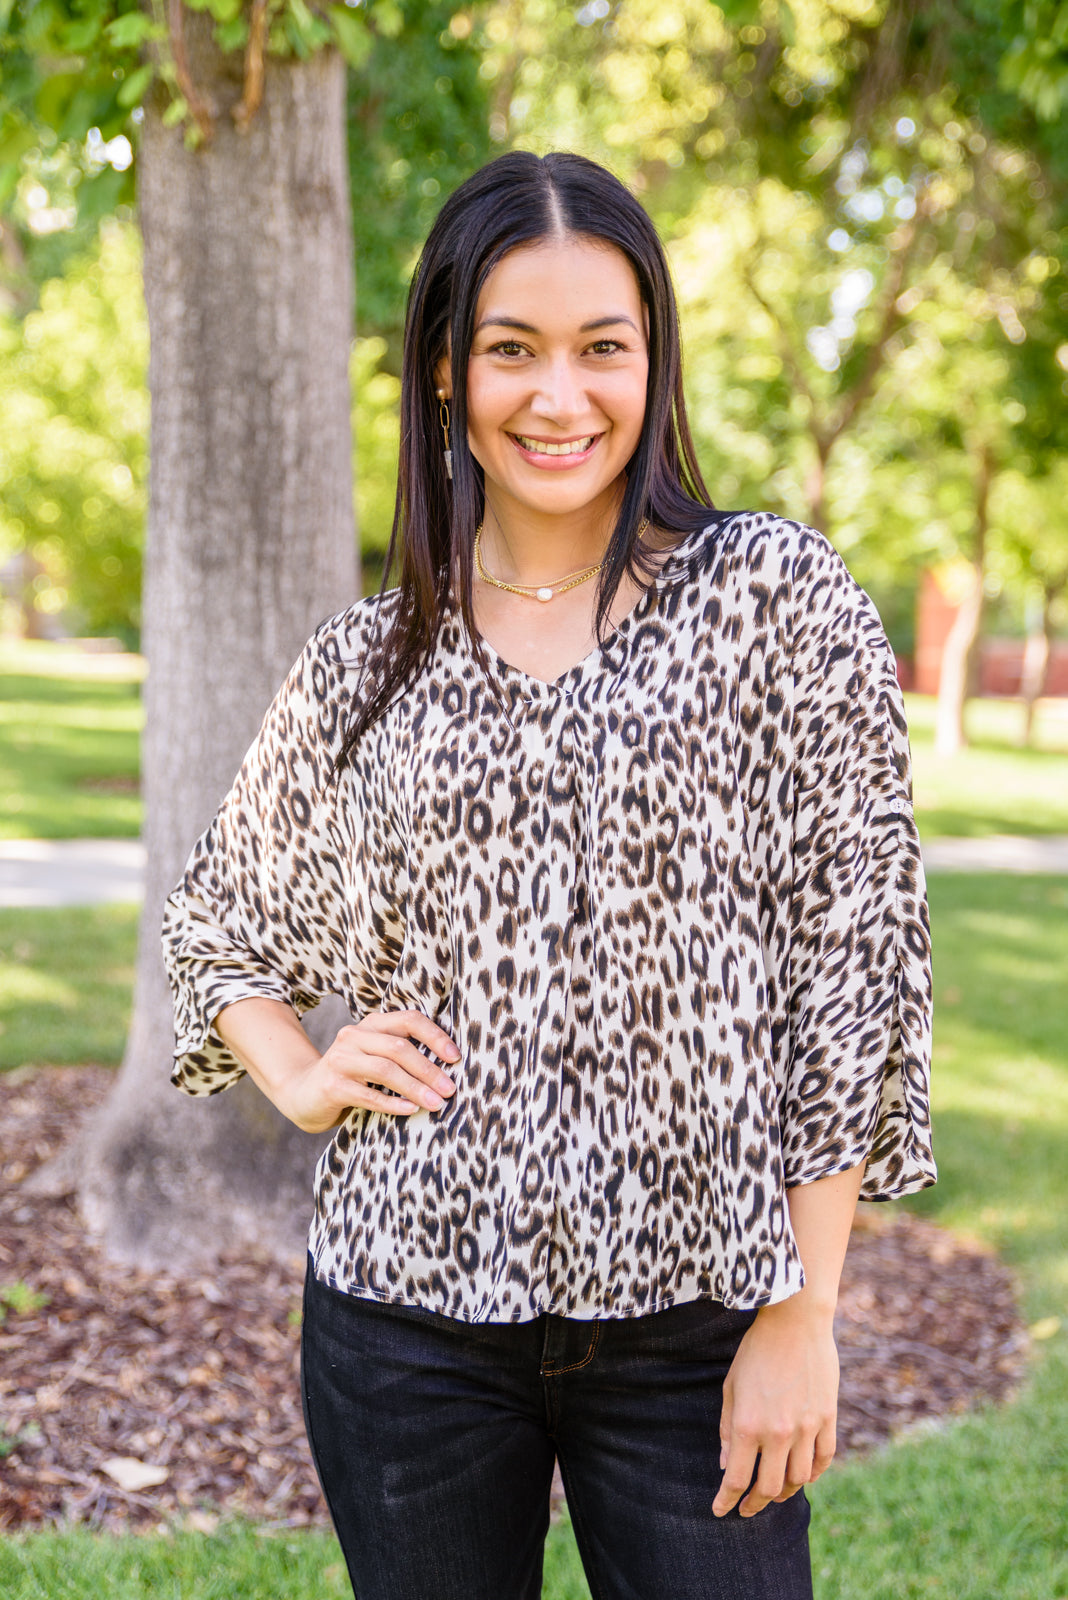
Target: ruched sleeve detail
column 260, row 910
column 858, row 1065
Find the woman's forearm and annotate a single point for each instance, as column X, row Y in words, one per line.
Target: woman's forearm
column 821, row 1215
column 267, row 1038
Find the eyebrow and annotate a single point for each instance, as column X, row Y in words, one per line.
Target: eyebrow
column 526, row 327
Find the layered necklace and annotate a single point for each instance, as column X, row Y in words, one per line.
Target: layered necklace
column 540, row 591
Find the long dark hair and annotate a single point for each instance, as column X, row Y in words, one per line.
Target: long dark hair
column 516, row 200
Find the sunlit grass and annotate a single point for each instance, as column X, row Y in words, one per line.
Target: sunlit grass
column 993, row 786
column 66, row 978
column 69, row 743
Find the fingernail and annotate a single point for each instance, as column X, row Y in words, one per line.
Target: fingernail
column 446, row 1085
column 434, row 1101
column 451, row 1053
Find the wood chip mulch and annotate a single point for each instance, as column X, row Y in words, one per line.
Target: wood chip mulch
column 136, row 1400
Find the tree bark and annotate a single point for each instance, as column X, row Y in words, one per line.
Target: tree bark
column 1037, row 651
column 251, row 542
column 957, row 678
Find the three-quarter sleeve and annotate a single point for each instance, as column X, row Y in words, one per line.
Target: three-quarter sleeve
column 858, row 1064
column 259, row 912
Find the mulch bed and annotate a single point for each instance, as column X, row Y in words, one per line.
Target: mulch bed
column 108, row 1369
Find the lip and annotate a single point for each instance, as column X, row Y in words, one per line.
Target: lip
column 555, row 463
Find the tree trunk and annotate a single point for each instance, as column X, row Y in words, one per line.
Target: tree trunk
column 960, row 653
column 1037, row 652
column 251, row 542
column 816, row 483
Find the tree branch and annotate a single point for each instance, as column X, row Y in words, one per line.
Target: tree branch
column 252, row 97
column 199, row 108
column 892, row 318
column 790, row 359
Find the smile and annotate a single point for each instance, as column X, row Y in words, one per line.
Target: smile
column 568, row 447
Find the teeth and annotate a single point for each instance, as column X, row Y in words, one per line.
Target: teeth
column 574, row 447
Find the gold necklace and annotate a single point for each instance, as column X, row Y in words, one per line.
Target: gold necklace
column 540, row 591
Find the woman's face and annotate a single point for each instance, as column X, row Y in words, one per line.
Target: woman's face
column 557, row 377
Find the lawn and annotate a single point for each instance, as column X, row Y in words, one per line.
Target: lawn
column 977, row 1510
column 69, row 743
column 65, row 983
column 994, row 786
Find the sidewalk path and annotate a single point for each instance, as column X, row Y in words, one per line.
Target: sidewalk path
column 70, row 872
column 998, row 852
column 85, row 872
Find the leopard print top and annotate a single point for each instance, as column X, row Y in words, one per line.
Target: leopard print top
column 670, row 907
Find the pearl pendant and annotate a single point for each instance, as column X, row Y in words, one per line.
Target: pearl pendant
column 544, row 594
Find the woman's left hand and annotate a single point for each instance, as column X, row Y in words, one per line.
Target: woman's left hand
column 780, row 1402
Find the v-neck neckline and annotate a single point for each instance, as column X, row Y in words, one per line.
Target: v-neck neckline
column 533, row 687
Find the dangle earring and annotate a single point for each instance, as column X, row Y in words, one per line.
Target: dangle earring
column 443, row 413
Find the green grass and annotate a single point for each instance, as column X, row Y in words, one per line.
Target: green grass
column 979, row 1510
column 65, row 983
column 69, row 744
column 237, row 1563
column 994, row 786
column 975, row 1511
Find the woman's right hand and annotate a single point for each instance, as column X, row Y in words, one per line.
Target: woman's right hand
column 377, row 1050
column 366, row 1058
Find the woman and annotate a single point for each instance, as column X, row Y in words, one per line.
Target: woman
column 600, row 824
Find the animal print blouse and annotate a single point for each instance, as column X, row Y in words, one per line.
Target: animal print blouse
column 670, row 907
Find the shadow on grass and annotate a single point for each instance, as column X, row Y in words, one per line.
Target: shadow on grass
column 66, row 982
column 69, row 757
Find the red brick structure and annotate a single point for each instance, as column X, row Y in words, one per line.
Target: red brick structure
column 1001, row 662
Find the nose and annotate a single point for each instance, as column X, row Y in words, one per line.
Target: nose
column 560, row 394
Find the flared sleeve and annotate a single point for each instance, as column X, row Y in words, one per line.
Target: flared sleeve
column 259, row 911
column 858, row 1065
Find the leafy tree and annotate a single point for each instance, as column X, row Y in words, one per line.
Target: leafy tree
column 73, row 438
column 829, row 174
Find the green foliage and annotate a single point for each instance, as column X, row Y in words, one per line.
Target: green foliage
column 869, row 246
column 417, row 126
column 19, row 1298
column 77, row 73
column 1036, row 61
column 73, row 439
column 376, row 444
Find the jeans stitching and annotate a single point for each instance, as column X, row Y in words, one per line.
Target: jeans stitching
column 577, row 1366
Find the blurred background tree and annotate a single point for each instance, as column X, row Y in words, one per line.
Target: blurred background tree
column 855, row 196
column 73, row 440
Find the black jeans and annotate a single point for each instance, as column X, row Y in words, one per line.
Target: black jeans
column 434, row 1440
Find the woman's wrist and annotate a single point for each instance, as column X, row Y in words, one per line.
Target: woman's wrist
column 807, row 1308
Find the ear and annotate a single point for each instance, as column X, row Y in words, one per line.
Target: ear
column 443, row 377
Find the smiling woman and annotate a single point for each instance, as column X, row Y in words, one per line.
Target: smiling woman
column 600, row 823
